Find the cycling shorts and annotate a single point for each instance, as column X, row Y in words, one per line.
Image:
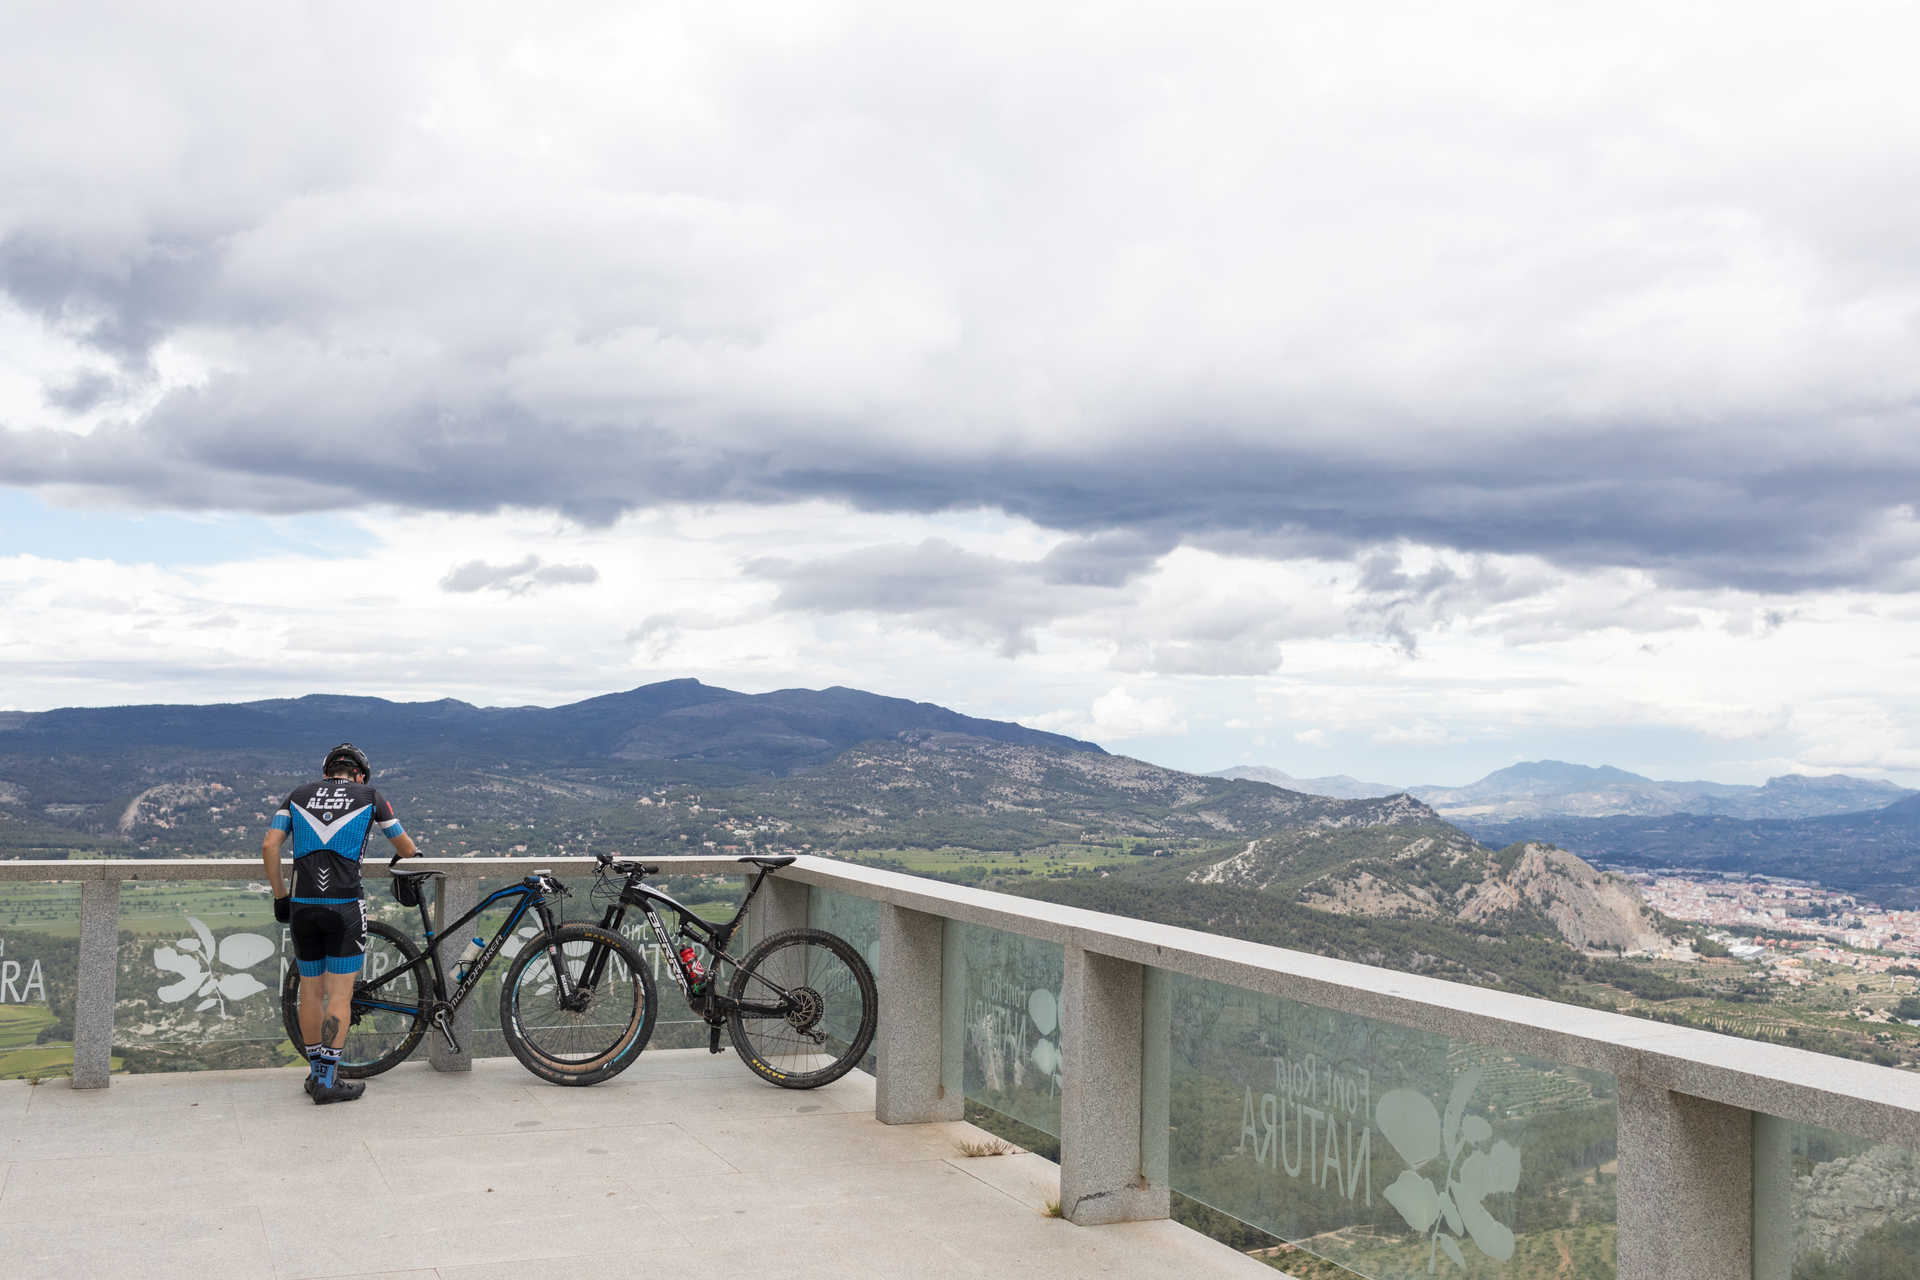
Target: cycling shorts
column 328, row 937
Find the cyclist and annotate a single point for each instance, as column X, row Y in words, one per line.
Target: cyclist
column 326, row 912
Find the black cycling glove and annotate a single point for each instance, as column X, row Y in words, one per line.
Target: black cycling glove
column 283, row 909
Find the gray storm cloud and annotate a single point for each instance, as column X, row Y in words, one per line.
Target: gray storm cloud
column 1237, row 281
column 518, row 578
column 1005, row 601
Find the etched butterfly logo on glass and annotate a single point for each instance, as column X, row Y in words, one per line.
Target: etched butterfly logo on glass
column 213, row 971
column 1477, row 1167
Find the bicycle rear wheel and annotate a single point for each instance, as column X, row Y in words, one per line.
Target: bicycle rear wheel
column 600, row 1034
column 389, row 1013
column 811, row 1009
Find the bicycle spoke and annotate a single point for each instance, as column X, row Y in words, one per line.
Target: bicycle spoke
column 595, row 1033
column 824, row 1020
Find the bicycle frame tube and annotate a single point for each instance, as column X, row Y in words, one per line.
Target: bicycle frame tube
column 529, row 898
column 709, row 1003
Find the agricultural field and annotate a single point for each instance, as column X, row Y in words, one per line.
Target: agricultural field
column 22, row 1056
column 53, row 910
column 1829, row 1007
column 973, row 865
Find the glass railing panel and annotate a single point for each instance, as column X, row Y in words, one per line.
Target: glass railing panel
column 1009, row 992
column 1837, row 1207
column 857, row 920
column 200, row 968
column 39, row 952
column 1382, row 1152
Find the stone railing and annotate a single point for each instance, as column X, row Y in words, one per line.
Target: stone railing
column 1704, row 1180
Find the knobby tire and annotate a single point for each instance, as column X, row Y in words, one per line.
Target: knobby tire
column 831, row 1008
column 586, row 1046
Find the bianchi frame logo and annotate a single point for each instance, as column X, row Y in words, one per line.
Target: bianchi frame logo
column 214, row 972
column 1450, row 1205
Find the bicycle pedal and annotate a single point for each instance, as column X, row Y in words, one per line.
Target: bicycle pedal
column 713, row 1040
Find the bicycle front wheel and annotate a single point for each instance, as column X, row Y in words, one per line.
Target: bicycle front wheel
column 389, row 1006
column 599, row 1031
column 806, row 1009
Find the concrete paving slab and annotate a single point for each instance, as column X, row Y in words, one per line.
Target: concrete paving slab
column 549, row 1162
column 586, row 1182
column 470, row 1230
column 1022, row 1177
column 174, row 1117
column 715, row 1091
column 203, row 1244
column 260, row 1174
column 411, row 1100
column 805, row 1143
column 1186, row 1253
column 891, row 1244
column 599, row 1266
column 862, row 1189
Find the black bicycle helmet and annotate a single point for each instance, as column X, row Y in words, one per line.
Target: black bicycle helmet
column 347, row 753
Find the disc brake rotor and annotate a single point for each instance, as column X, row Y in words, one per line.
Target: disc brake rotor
column 808, row 1008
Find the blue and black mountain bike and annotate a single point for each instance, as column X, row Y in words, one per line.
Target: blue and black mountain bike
column 576, row 1008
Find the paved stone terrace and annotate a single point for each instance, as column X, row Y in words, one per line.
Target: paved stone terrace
column 685, row 1165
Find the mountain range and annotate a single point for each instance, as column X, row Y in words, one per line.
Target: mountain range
column 1556, row 789
column 682, row 766
column 686, row 764
column 683, row 721
column 1875, row 854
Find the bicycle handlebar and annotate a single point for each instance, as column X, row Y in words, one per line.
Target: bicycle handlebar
column 608, row 863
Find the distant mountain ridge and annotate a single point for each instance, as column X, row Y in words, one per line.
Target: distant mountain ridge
column 1876, row 853
column 677, row 720
column 1340, row 786
column 1556, row 789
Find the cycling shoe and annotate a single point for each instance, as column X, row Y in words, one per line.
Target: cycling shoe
column 338, row 1091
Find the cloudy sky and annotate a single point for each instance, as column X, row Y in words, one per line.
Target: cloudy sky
column 1398, row 390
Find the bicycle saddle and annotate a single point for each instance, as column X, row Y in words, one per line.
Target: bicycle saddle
column 770, row 863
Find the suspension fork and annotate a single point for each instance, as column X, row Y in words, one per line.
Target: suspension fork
column 596, row 965
column 562, row 981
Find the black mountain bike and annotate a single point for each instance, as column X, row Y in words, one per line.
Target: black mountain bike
column 800, row 1008
column 576, row 1008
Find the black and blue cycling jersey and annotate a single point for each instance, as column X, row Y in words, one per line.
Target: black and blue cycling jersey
column 330, row 822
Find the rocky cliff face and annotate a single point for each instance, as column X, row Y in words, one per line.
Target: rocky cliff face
column 1844, row 1199
column 1592, row 909
column 1418, row 867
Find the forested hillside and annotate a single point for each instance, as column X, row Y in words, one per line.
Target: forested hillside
column 682, row 767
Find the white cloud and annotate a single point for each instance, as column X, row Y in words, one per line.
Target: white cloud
column 1120, row 714
column 1080, row 268
column 529, row 573
column 1017, row 359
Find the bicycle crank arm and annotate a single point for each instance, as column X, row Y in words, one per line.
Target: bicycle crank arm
column 443, row 1022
